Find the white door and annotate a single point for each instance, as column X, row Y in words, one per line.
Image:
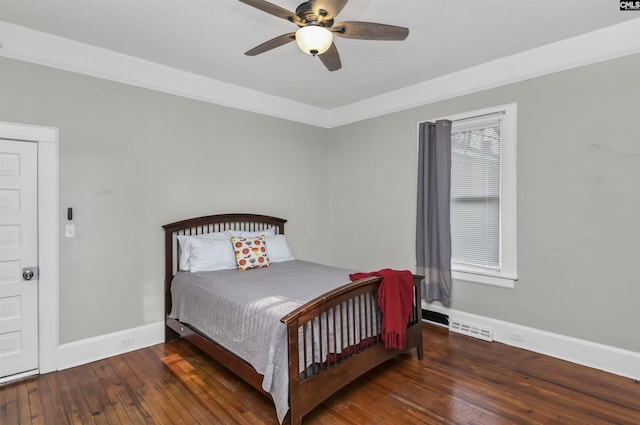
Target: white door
column 18, row 253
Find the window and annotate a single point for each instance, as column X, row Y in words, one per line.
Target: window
column 483, row 196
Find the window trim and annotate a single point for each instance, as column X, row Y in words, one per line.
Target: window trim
column 508, row 273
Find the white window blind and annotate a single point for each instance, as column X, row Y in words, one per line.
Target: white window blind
column 475, row 194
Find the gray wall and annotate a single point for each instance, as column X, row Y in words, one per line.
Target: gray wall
column 132, row 160
column 578, row 200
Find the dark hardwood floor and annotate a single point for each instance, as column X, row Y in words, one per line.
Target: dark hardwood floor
column 460, row 381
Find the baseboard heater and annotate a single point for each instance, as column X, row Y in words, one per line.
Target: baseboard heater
column 470, row 329
column 458, row 326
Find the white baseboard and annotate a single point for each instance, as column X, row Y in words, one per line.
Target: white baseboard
column 100, row 347
column 599, row 356
column 19, row 376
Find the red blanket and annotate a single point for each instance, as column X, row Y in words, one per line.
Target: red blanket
column 395, row 298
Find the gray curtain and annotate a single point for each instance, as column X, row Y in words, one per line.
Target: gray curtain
column 433, row 227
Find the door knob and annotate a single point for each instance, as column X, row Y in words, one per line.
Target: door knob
column 29, row 273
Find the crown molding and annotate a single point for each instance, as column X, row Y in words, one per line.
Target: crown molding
column 597, row 46
column 45, row 49
column 56, row 52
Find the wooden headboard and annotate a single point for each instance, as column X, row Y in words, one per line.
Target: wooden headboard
column 208, row 224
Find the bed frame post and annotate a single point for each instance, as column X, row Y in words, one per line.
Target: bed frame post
column 169, row 334
column 295, row 413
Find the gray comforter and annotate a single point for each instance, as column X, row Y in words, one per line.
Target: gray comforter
column 242, row 310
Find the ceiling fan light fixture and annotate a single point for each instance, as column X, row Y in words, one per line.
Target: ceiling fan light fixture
column 314, row 39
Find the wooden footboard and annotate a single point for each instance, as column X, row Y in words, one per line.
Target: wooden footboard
column 336, row 338
column 332, row 340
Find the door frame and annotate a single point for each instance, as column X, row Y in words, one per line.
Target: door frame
column 48, row 235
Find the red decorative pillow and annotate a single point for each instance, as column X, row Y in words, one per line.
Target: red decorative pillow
column 251, row 253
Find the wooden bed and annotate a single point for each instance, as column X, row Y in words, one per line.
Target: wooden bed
column 324, row 377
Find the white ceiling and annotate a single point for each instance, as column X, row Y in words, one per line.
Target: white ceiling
column 209, row 38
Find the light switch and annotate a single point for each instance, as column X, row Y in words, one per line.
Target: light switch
column 70, row 231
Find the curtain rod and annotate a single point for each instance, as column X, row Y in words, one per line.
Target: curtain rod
column 480, row 116
column 489, row 114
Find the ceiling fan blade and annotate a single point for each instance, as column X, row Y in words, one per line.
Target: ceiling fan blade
column 272, row 44
column 273, row 9
column 369, row 31
column 331, row 58
column 327, row 9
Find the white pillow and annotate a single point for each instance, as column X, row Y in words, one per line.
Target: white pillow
column 184, row 241
column 242, row 234
column 278, row 249
column 210, row 254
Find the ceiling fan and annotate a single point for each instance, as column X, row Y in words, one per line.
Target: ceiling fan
column 315, row 19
